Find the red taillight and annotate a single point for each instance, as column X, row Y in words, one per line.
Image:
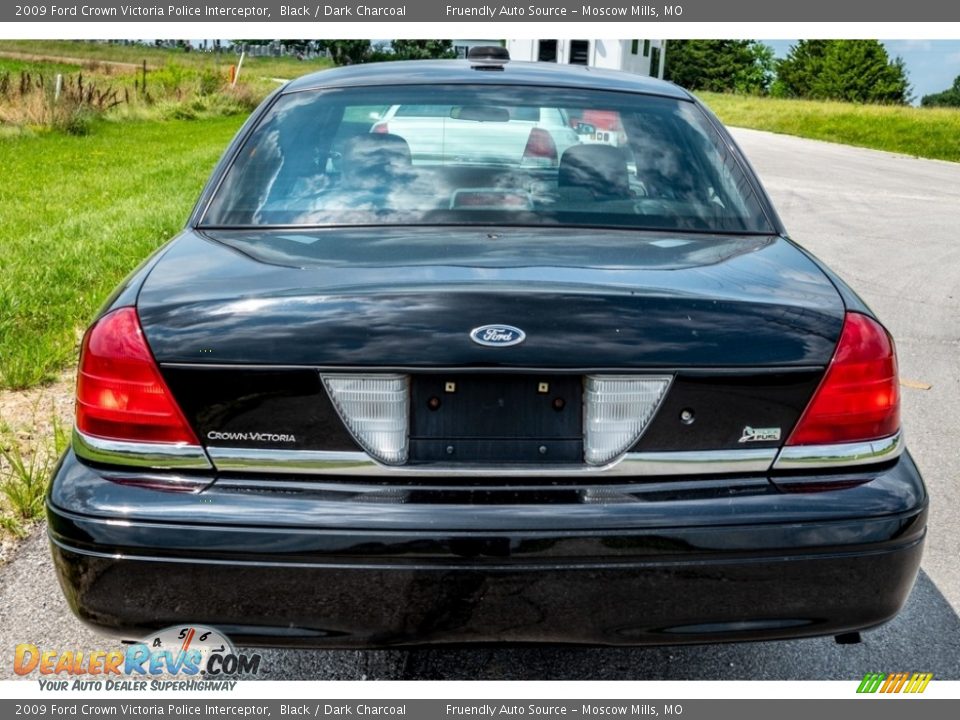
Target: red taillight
column 859, row 397
column 540, row 145
column 381, row 128
column 120, row 393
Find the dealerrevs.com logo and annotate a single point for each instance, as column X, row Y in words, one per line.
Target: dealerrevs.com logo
column 180, row 657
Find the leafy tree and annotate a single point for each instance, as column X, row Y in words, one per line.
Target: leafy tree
column 422, row 49
column 849, row 70
column 346, row 52
column 743, row 66
column 948, row 98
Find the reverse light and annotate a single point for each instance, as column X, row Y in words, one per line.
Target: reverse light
column 375, row 409
column 616, row 411
column 120, row 392
column 859, row 396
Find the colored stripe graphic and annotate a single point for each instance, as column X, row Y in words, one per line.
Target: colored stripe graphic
column 894, row 682
column 918, row 683
column 871, row 682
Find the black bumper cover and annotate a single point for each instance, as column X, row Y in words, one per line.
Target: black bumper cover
column 302, row 565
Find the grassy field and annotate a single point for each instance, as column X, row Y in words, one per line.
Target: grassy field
column 18, row 65
column 78, row 213
column 928, row 132
column 280, row 67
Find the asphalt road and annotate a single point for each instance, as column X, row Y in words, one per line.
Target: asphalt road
column 889, row 225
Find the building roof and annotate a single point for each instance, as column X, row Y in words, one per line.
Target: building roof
column 454, row 72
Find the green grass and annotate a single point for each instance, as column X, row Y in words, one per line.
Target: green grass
column 921, row 132
column 281, row 67
column 77, row 214
column 16, row 66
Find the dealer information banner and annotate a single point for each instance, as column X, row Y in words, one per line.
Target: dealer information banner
column 483, row 11
column 472, row 709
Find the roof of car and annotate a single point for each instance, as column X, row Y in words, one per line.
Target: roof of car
column 439, row 72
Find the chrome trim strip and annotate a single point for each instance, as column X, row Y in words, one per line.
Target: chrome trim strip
column 700, row 462
column 320, row 462
column 179, row 456
column 839, row 455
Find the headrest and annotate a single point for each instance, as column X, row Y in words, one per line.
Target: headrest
column 376, row 150
column 599, row 169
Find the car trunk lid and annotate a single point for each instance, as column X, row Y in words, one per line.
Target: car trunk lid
column 246, row 326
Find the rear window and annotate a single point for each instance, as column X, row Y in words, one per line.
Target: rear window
column 487, row 155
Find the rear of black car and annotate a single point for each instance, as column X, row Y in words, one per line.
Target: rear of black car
column 455, row 402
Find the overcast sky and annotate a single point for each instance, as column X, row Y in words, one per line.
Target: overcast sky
column 932, row 64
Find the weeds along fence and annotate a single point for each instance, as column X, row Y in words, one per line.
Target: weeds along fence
column 65, row 103
column 71, row 102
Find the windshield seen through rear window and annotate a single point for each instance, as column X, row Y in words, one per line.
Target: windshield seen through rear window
column 510, row 155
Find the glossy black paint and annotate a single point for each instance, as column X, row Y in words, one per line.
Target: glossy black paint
column 738, row 562
column 408, row 298
column 292, row 401
column 288, row 401
column 723, row 404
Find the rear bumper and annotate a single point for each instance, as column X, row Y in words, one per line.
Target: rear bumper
column 308, row 565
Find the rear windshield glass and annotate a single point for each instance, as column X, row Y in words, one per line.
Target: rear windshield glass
column 462, row 155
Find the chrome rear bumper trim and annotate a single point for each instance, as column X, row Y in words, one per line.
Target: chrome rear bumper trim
column 179, row 456
column 320, row 462
column 840, row 455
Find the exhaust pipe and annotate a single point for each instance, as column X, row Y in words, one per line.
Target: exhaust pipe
column 852, row 638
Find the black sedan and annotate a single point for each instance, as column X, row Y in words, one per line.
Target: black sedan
column 483, row 351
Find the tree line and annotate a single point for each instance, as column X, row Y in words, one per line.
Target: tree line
column 351, row 52
column 859, row 71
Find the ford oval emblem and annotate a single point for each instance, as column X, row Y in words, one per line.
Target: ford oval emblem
column 497, row 335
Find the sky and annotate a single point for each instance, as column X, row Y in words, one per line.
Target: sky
column 931, row 64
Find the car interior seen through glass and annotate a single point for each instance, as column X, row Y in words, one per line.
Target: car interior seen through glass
column 462, row 155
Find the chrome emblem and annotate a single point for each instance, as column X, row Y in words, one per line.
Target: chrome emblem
column 497, row 335
column 752, row 434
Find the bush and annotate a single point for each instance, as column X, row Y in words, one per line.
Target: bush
column 743, row 66
column 210, row 82
column 948, row 98
column 857, row 71
column 171, row 78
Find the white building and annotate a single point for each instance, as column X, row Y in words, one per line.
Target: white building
column 644, row 57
